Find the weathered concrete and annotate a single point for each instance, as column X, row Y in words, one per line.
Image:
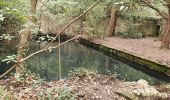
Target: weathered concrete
column 129, row 58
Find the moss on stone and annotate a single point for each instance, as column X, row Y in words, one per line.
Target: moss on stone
column 130, row 57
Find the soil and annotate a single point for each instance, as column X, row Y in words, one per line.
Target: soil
column 148, row 48
column 89, row 87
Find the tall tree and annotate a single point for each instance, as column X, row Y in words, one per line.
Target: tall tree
column 165, row 15
column 25, row 35
column 112, row 23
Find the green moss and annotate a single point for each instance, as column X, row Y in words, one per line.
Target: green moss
column 130, row 57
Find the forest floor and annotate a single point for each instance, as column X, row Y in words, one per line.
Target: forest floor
column 148, row 48
column 84, row 87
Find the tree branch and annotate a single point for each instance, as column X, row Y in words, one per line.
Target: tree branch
column 9, row 70
column 163, row 14
column 46, row 48
column 35, row 53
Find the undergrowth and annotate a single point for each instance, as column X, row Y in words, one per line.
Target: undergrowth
column 30, row 85
column 81, row 72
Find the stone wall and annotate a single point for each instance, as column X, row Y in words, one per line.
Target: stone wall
column 147, row 26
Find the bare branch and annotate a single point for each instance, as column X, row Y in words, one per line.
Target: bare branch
column 9, row 70
column 31, row 55
column 167, row 1
column 46, row 48
column 162, row 2
column 43, row 4
column 76, row 37
column 163, row 14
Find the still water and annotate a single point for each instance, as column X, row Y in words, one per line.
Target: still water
column 75, row 55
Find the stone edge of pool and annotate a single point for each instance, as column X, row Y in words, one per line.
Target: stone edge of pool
column 131, row 57
column 146, row 62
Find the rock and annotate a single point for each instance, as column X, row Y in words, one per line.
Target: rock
column 126, row 94
column 142, row 82
column 141, row 90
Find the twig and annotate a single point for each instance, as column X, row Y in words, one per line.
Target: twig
column 2, row 98
column 9, row 70
column 76, row 37
column 46, row 48
column 163, row 14
column 43, row 4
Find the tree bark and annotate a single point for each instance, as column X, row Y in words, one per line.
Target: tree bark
column 166, row 35
column 24, row 37
column 33, row 10
column 112, row 23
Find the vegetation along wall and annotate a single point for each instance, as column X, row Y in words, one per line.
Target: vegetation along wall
column 137, row 27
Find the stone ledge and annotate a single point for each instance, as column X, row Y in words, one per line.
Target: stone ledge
column 147, row 63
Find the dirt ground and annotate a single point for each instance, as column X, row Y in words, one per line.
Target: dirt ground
column 145, row 47
column 88, row 87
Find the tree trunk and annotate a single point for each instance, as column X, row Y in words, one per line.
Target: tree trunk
column 25, row 35
column 33, row 10
column 166, row 35
column 112, row 23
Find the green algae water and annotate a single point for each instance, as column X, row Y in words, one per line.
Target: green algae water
column 75, row 55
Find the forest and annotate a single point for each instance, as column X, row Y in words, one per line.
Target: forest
column 84, row 49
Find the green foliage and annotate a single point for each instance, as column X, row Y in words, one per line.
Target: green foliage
column 1, row 17
column 58, row 93
column 132, row 32
column 135, row 26
column 4, row 94
column 11, row 18
column 26, row 78
column 9, row 59
column 39, row 81
column 81, row 72
column 91, row 24
column 6, row 37
column 65, row 93
column 21, row 5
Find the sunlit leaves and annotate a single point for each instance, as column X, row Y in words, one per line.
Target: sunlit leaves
column 6, row 37
column 2, row 17
column 9, row 59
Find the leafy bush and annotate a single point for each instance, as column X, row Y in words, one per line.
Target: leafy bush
column 11, row 19
column 133, row 32
column 66, row 94
column 136, row 26
column 80, row 72
column 4, row 94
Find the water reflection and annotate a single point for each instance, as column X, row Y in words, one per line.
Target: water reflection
column 74, row 55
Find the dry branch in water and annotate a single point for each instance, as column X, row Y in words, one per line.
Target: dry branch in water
column 47, row 47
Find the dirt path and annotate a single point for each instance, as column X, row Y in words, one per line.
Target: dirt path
column 146, row 48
